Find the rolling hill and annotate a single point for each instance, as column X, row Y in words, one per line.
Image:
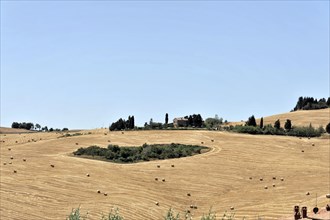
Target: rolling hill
column 226, row 176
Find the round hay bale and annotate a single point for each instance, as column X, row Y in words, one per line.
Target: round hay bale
column 274, row 185
column 313, row 144
column 266, row 187
column 105, row 134
column 188, row 194
column 327, row 196
column 307, row 193
column 105, row 194
column 250, row 178
column 10, row 162
column 9, row 149
column 15, row 171
column 77, row 143
column 16, row 142
column 109, row 141
column 202, row 142
column 195, row 207
column 163, row 179
column 52, row 165
column 172, row 165
column 158, row 165
column 87, row 174
column 302, row 151
column 156, row 179
column 282, row 179
column 274, row 177
column 212, row 140
column 261, row 179
column 98, row 191
column 191, row 206
column 188, row 211
column 232, row 208
column 11, row 157
column 157, row 203
column 122, row 132
column 24, row 159
column 4, row 163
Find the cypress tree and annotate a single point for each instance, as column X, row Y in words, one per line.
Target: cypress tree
column 288, row 125
column 166, row 119
column 328, row 128
column 251, row 121
column 277, row 124
column 261, row 122
column 132, row 122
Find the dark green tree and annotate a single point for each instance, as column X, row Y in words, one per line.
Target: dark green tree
column 38, row 127
column 166, row 119
column 277, row 124
column 261, row 122
column 251, row 121
column 15, row 125
column 288, row 125
column 132, row 122
column 328, row 128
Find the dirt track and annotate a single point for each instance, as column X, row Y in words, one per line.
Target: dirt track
column 219, row 178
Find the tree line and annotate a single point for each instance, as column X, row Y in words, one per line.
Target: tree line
column 310, row 103
column 122, row 124
column 251, row 127
column 31, row 126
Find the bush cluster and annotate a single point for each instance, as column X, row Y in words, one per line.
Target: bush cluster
column 297, row 131
column 310, row 103
column 70, row 135
column 122, row 124
column 145, row 152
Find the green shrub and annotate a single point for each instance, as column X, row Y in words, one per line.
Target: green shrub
column 304, row 132
column 247, row 129
column 209, row 216
column 171, row 216
column 143, row 153
column 75, row 215
column 327, row 128
column 113, row 215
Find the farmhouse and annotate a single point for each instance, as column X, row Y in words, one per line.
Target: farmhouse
column 180, row 122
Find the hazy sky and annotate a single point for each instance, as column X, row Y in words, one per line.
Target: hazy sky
column 85, row 64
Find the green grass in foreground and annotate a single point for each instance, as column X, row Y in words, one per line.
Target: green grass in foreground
column 170, row 215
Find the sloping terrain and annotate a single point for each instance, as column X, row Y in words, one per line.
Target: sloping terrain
column 219, row 178
column 298, row 118
column 4, row 130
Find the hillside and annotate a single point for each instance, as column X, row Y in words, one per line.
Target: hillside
column 219, row 178
column 298, row 118
column 4, row 130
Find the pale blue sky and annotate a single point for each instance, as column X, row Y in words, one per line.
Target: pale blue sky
column 85, row 64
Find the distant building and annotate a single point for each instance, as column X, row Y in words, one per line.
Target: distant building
column 180, row 122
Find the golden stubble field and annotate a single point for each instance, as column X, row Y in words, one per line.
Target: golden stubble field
column 317, row 118
column 219, row 178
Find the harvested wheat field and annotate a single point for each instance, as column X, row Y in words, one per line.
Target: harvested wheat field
column 49, row 182
column 298, row 118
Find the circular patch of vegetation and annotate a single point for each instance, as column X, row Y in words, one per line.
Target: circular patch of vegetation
column 146, row 152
